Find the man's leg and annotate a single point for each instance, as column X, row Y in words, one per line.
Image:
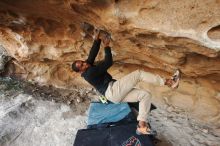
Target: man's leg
column 123, row 91
column 119, row 89
column 144, row 99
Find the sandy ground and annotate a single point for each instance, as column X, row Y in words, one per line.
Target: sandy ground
column 31, row 115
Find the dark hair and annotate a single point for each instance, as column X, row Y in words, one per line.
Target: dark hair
column 74, row 68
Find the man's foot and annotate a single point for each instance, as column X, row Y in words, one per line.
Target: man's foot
column 174, row 81
column 145, row 130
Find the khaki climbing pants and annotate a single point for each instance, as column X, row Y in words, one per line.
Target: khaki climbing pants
column 123, row 90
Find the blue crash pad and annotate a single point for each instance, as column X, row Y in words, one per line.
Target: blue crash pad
column 105, row 113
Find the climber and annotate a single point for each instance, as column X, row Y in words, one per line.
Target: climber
column 122, row 90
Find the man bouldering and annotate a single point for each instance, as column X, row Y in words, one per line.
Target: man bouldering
column 122, row 90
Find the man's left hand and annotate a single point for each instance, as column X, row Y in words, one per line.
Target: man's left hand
column 96, row 34
column 106, row 41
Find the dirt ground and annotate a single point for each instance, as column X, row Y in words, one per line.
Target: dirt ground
column 43, row 115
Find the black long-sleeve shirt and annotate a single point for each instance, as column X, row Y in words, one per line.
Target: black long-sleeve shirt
column 97, row 75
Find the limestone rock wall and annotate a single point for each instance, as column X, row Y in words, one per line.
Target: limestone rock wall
column 44, row 37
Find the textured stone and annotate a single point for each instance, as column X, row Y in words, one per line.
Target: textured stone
column 182, row 101
column 188, row 87
column 4, row 58
column 207, row 92
column 207, row 110
column 45, row 36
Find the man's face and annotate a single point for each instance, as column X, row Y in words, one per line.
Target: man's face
column 82, row 65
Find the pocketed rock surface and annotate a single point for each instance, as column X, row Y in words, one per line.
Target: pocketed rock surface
column 43, row 38
column 40, row 39
column 34, row 118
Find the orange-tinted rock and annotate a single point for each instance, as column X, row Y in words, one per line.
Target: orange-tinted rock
column 45, row 37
